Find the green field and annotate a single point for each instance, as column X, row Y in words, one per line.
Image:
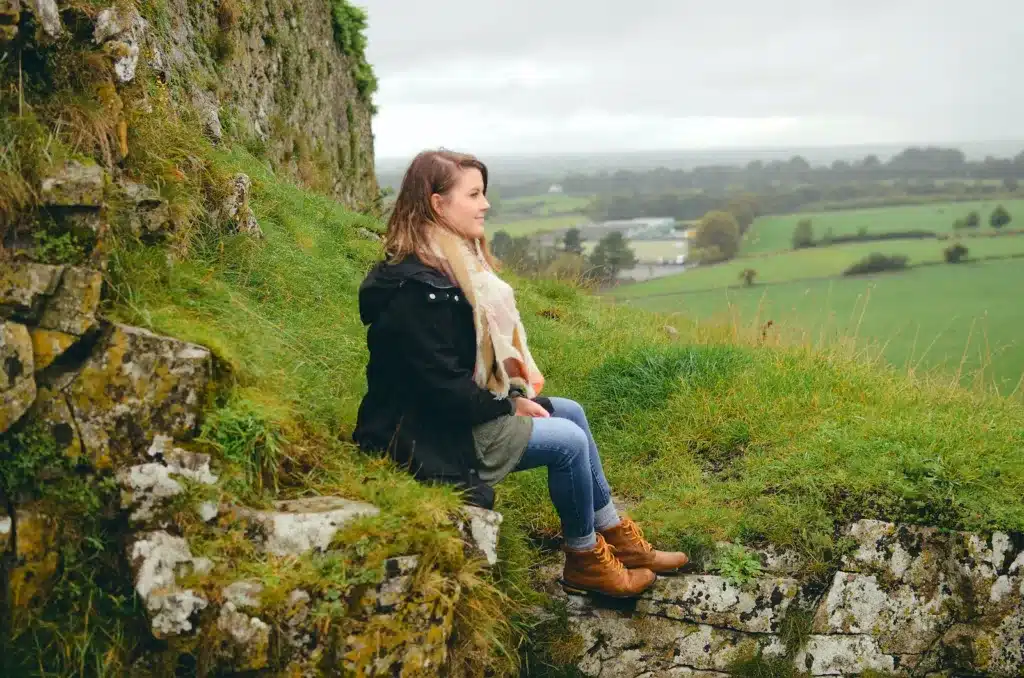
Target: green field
column 546, row 205
column 774, row 233
column 536, row 225
column 811, row 263
column 933, row 317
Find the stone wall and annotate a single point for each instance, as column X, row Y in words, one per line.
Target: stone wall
column 905, row 601
column 269, row 73
column 273, row 70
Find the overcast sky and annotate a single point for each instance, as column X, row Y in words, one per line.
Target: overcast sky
column 552, row 76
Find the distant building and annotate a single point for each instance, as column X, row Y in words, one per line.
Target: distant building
column 555, row 188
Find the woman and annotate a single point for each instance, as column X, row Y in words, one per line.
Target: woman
column 452, row 387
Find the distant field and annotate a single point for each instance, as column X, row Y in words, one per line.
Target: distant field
column 536, row 225
column 924, row 316
column 814, row 263
column 774, row 233
column 548, row 204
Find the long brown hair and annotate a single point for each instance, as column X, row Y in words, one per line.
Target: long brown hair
column 430, row 172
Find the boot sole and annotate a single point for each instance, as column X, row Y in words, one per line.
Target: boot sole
column 573, row 589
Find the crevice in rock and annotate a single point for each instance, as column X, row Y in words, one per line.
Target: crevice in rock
column 65, row 368
column 78, row 429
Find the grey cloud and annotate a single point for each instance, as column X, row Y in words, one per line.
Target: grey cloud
column 944, row 69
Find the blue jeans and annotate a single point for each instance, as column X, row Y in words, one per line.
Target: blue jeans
column 576, row 481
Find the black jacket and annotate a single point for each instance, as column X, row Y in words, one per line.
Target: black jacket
column 422, row 403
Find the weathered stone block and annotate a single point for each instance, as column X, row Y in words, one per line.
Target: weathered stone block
column 902, row 619
column 148, row 213
column 617, row 646
column 36, row 551
column 709, row 599
column 121, row 31
column 158, row 558
column 72, row 308
column 245, row 640
column 48, row 345
column 24, row 287
column 482, row 531
column 17, row 381
column 134, row 386
column 47, row 16
column 52, row 409
column 304, row 525
column 236, row 208
column 76, row 185
column 843, row 655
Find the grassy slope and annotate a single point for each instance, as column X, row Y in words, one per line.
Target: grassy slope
column 774, row 233
column 710, row 436
column 818, row 262
column 933, row 317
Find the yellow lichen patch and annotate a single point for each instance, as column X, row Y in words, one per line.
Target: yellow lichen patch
column 37, row 558
column 48, row 345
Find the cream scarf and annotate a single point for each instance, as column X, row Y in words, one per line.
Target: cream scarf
column 503, row 359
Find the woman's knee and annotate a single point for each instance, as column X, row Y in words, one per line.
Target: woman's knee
column 575, row 447
column 569, row 409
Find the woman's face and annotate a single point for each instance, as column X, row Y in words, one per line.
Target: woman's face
column 465, row 205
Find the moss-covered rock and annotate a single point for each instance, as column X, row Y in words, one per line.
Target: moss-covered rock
column 36, row 558
column 134, row 386
column 17, row 382
column 75, row 185
column 72, row 308
column 25, row 286
column 48, row 345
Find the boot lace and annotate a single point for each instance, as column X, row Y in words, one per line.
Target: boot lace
column 637, row 535
column 605, row 556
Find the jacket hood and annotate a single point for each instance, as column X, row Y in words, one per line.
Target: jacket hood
column 384, row 279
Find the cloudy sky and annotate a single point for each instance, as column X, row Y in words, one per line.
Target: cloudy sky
column 553, row 76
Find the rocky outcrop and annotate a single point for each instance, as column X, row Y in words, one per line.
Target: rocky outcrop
column 906, row 601
column 272, row 71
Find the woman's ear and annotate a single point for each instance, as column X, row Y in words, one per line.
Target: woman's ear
column 437, row 202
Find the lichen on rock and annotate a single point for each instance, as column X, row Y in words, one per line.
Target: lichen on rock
column 134, row 386
column 302, row 525
column 158, row 558
column 17, row 382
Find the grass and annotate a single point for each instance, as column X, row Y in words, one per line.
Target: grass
column 819, row 262
column 714, row 437
column 957, row 319
column 774, row 233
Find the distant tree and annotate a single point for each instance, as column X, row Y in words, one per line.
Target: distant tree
column 871, row 162
column 973, row 220
column 719, row 229
column 520, row 255
column 1011, row 184
column 612, row 255
column 501, row 244
column 1000, row 217
column 803, row 234
column 827, row 238
column 573, row 242
column 744, row 208
column 955, row 253
column 747, row 275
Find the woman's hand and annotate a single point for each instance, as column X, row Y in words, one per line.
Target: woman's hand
column 527, row 408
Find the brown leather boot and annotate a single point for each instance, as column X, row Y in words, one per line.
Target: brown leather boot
column 598, row 571
column 630, row 547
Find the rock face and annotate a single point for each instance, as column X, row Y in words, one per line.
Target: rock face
column 907, row 601
column 276, row 73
